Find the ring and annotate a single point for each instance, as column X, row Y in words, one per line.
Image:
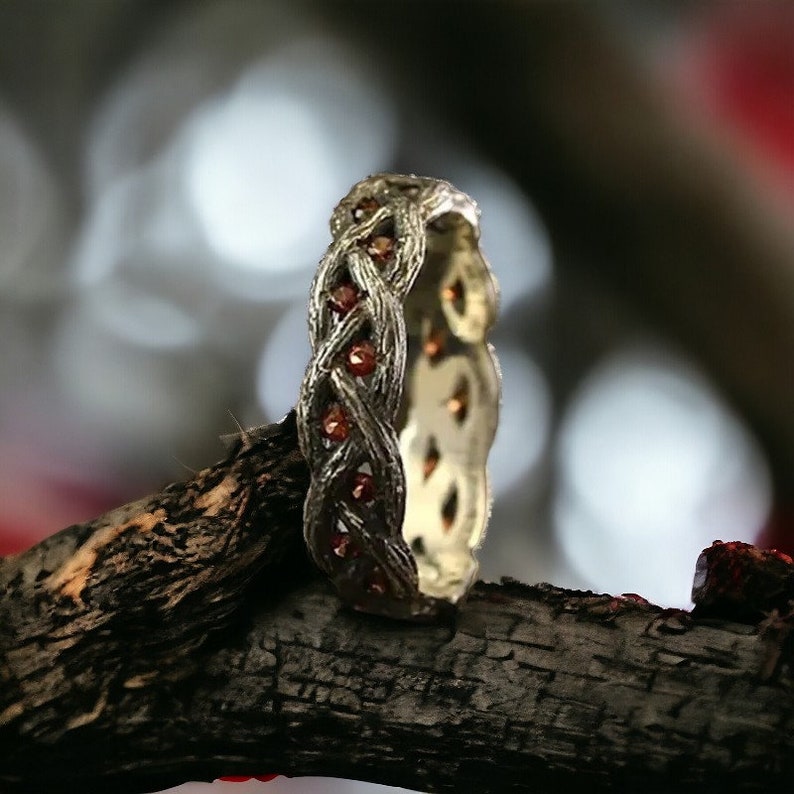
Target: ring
column 400, row 401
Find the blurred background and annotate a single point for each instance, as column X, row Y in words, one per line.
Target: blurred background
column 167, row 171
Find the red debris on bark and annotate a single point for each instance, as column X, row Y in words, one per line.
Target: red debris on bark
column 739, row 581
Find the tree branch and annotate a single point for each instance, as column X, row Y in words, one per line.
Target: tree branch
column 186, row 636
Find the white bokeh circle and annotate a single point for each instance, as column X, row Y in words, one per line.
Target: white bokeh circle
column 653, row 467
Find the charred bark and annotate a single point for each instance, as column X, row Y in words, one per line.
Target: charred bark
column 186, row 636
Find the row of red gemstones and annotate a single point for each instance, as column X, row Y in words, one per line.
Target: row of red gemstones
column 360, row 360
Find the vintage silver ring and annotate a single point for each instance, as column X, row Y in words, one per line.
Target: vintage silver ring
column 400, row 401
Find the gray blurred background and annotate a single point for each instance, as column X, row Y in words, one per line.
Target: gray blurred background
column 167, row 171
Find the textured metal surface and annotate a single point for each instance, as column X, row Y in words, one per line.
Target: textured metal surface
column 421, row 424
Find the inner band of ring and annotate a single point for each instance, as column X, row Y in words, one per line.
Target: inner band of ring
column 399, row 404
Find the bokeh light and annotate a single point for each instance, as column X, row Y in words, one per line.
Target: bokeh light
column 653, row 467
column 283, row 363
column 513, row 236
column 264, row 164
column 31, row 217
column 141, row 318
column 524, row 421
column 133, row 398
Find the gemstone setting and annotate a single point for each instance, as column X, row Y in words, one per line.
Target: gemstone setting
column 342, row 545
column 363, row 487
column 433, row 346
column 343, row 298
column 365, row 208
column 361, row 358
column 380, row 247
column 334, row 423
column 377, row 583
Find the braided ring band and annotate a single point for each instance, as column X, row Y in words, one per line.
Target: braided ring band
column 399, row 495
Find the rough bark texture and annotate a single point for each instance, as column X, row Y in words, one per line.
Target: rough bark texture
column 186, row 637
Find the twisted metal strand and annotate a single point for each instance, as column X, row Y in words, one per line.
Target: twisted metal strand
column 370, row 408
column 379, row 571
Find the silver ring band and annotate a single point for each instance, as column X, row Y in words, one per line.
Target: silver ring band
column 399, row 404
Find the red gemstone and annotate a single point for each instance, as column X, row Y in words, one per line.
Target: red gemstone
column 334, row 423
column 343, row 298
column 431, row 461
column 363, row 489
column 434, row 344
column 342, row 546
column 365, row 208
column 377, row 583
column 380, row 247
column 449, row 510
column 361, row 358
column 453, row 293
column 458, row 403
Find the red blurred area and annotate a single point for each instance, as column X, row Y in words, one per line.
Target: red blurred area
column 778, row 533
column 737, row 70
column 736, row 74
column 36, row 504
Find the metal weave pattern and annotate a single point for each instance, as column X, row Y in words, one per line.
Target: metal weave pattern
column 382, row 576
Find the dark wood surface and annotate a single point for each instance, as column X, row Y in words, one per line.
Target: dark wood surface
column 186, row 636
